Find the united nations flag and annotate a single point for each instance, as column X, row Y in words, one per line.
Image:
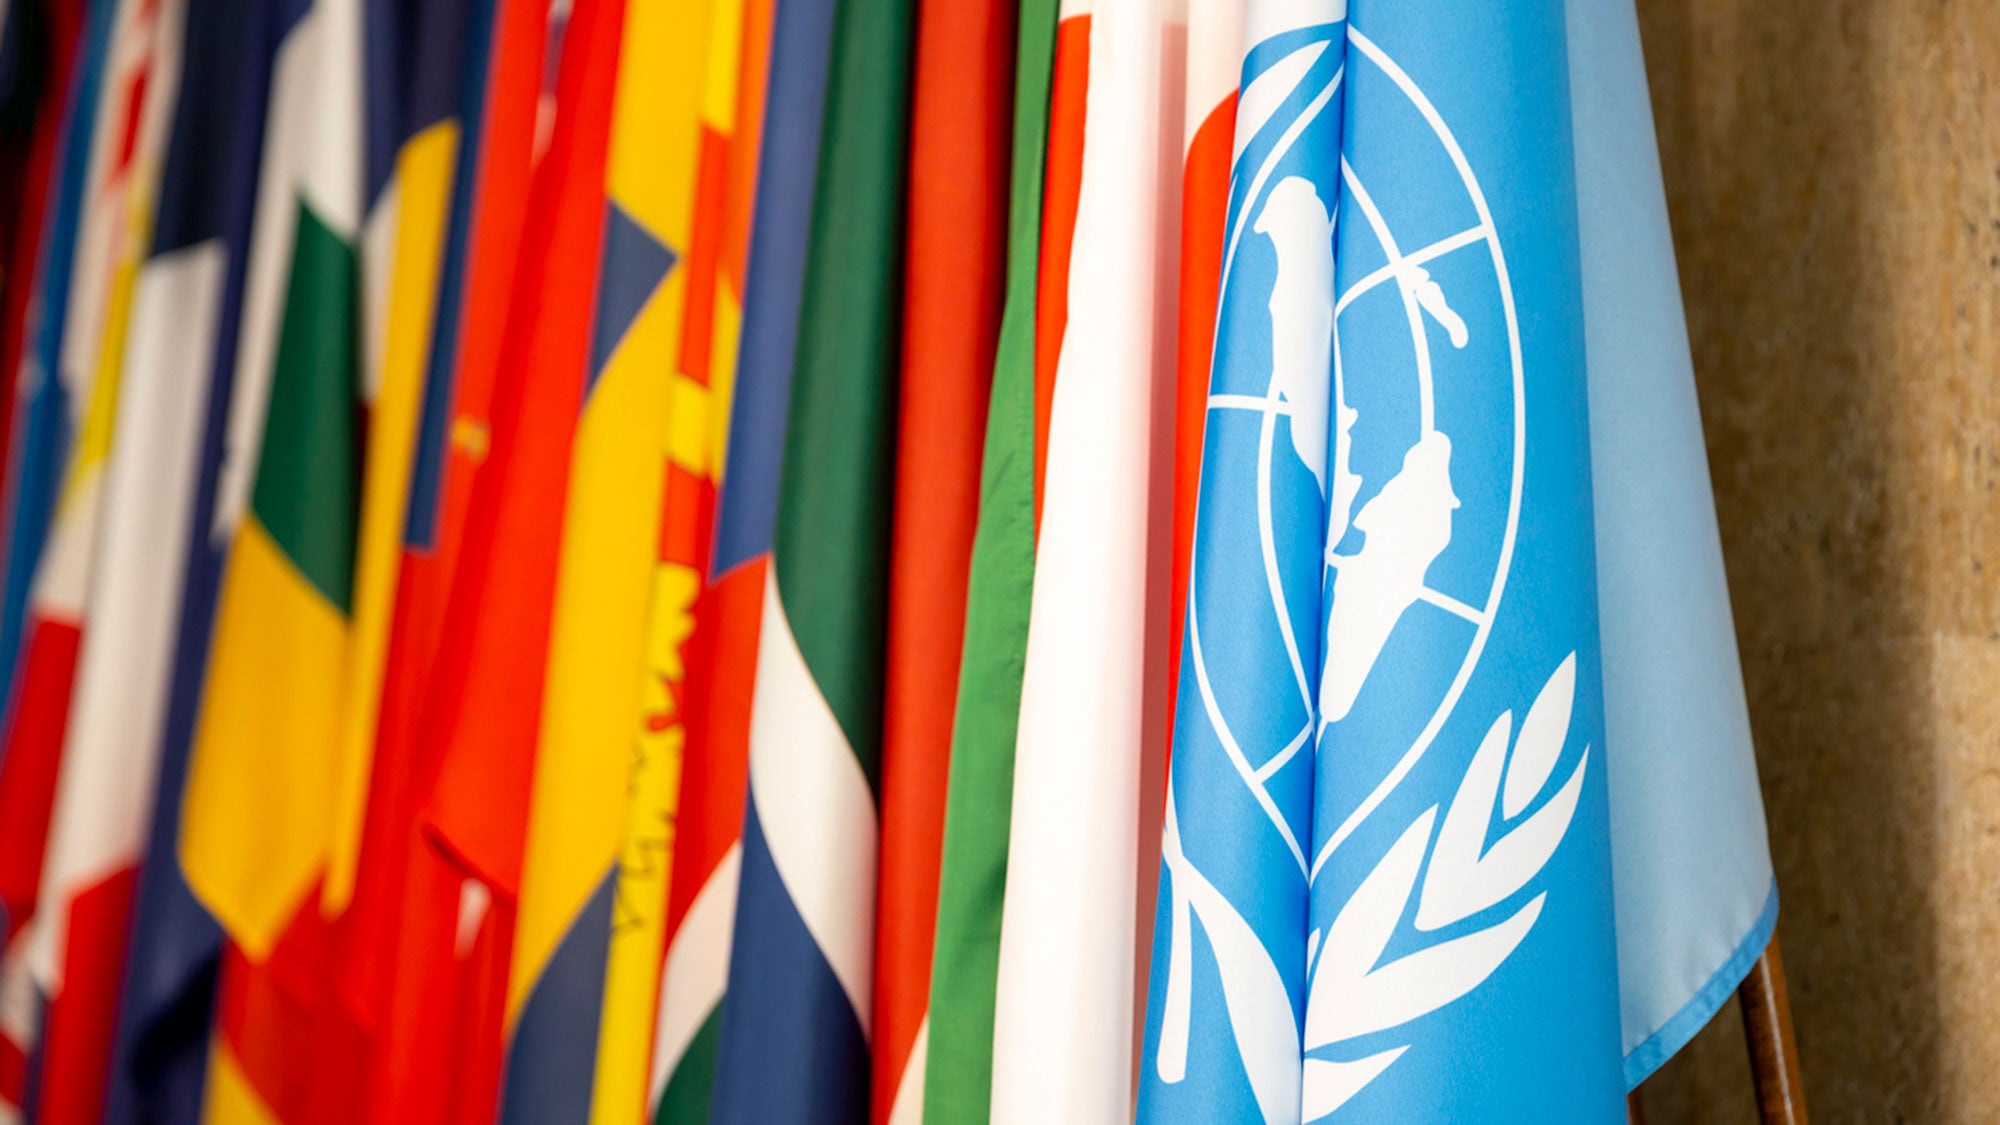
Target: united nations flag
column 1386, row 889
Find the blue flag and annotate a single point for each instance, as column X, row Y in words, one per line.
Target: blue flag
column 1690, row 861
column 1387, row 850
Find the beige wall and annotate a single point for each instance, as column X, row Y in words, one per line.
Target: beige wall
column 1833, row 169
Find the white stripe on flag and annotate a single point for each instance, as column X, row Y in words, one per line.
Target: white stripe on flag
column 697, row 971
column 814, row 804
column 1063, row 1019
column 1214, row 60
column 104, row 795
column 908, row 1108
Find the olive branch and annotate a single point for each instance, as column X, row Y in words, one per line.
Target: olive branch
column 1352, row 992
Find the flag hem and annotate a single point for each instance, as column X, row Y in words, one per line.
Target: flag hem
column 1665, row 1043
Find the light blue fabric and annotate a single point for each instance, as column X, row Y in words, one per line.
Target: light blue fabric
column 1690, row 858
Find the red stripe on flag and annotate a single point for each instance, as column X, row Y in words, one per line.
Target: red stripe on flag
column 1064, row 183
column 83, row 1014
column 687, row 519
column 489, row 708
column 753, row 61
column 955, row 269
column 716, row 770
column 293, row 1043
column 13, row 1074
column 1204, row 213
column 135, row 100
column 32, row 764
column 438, row 1056
column 703, row 256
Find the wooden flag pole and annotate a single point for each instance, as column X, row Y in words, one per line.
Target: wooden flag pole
column 1774, row 1051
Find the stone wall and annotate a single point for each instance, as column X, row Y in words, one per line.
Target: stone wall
column 1833, row 171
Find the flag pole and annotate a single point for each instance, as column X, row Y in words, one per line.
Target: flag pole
column 1774, row 1051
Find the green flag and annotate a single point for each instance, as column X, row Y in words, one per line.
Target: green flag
column 958, row 1075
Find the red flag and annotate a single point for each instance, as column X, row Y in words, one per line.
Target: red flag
column 443, row 1037
column 453, row 442
column 960, row 129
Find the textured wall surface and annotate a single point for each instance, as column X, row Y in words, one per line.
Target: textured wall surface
column 1833, row 171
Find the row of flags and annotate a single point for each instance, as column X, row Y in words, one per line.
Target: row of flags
column 873, row 561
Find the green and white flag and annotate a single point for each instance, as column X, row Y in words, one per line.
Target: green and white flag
column 958, row 1073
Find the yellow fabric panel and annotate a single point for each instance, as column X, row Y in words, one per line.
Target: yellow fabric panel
column 725, row 44
column 691, row 428
column 654, row 127
column 424, row 182
column 93, row 438
column 728, row 322
column 596, row 644
column 230, row 1099
column 638, row 935
column 662, row 122
column 256, row 819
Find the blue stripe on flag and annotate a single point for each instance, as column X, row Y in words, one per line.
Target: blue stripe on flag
column 788, row 162
column 552, row 1060
column 42, row 431
column 441, row 379
column 784, row 1003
